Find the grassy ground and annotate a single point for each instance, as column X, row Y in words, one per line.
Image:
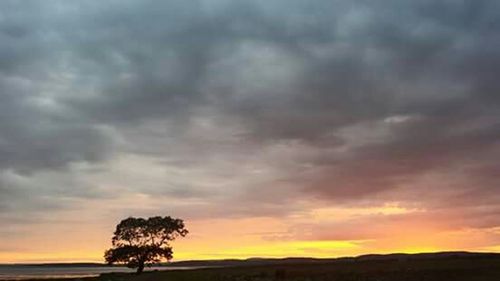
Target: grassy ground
column 450, row 269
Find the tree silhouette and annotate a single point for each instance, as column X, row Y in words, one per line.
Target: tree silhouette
column 139, row 242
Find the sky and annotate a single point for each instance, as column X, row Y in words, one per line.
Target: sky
column 273, row 128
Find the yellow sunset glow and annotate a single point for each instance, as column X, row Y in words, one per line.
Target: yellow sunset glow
column 269, row 237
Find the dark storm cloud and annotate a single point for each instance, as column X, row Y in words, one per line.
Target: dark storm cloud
column 35, row 138
column 375, row 96
column 37, row 131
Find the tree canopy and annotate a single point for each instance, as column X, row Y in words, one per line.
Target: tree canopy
column 139, row 242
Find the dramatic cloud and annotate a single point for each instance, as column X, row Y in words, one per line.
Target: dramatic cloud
column 237, row 109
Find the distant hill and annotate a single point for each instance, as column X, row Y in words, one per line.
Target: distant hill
column 439, row 255
column 305, row 260
column 294, row 260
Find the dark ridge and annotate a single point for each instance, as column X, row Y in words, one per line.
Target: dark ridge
column 287, row 261
column 305, row 260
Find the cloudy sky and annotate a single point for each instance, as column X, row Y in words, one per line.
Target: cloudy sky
column 273, row 128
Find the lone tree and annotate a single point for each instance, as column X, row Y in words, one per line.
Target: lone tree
column 139, row 242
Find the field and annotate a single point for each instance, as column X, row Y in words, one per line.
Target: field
column 443, row 269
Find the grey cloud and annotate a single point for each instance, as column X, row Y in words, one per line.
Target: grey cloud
column 28, row 198
column 280, row 72
column 35, row 138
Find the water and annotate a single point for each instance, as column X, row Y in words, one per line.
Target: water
column 20, row 272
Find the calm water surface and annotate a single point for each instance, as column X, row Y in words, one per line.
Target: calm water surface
column 20, row 272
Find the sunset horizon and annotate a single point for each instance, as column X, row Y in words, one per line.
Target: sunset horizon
column 253, row 246
column 251, row 258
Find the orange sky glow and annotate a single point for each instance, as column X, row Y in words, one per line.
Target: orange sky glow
column 264, row 237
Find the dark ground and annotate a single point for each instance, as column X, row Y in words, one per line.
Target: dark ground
column 388, row 269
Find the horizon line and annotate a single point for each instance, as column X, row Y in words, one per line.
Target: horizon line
column 257, row 258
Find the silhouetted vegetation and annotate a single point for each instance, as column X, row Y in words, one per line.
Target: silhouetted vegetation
column 139, row 242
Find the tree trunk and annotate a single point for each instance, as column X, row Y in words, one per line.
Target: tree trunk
column 140, row 268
